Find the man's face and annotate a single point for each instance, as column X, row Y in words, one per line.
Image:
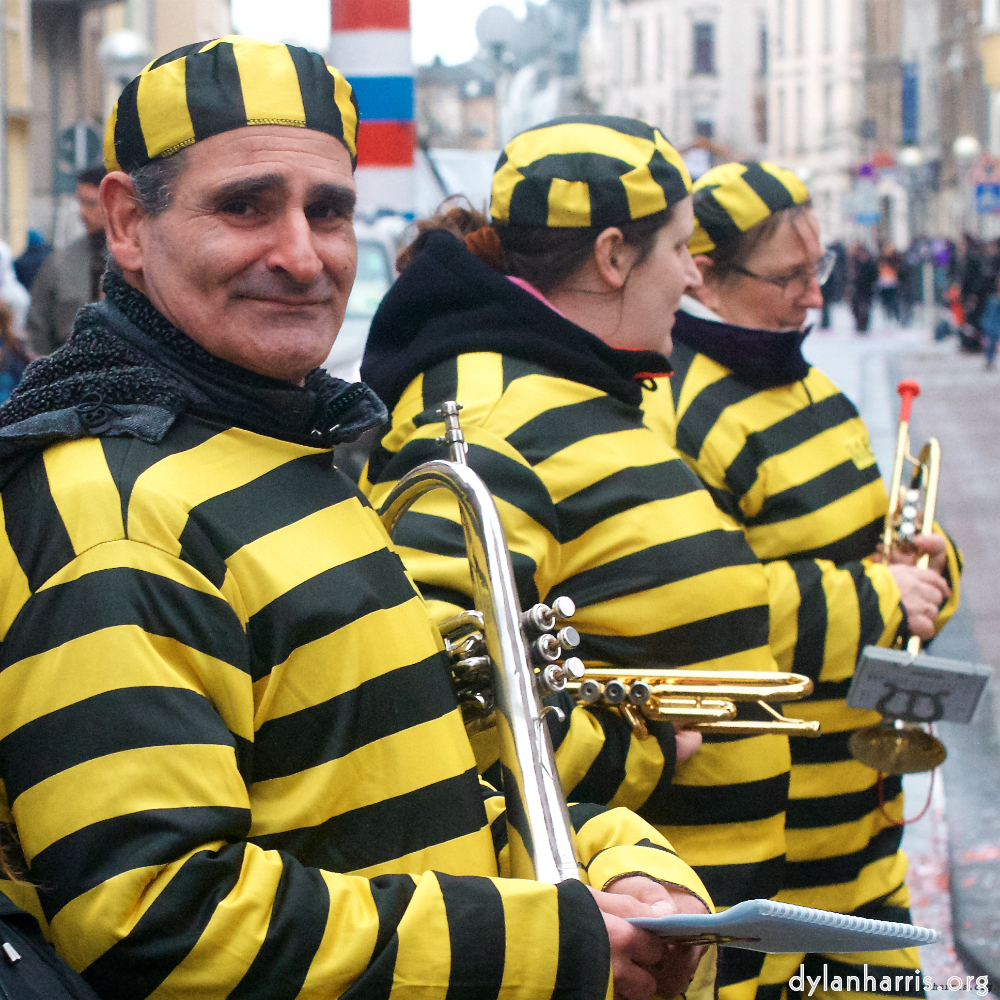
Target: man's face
column 255, row 257
column 88, row 195
column 791, row 252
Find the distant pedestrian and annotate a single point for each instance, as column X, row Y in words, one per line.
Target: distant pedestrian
column 989, row 324
column 833, row 287
column 863, row 275
column 26, row 266
column 888, row 280
column 71, row 277
column 14, row 356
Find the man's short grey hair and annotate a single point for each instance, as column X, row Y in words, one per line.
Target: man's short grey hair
column 154, row 181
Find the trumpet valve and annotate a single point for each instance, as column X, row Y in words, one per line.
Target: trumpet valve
column 568, row 637
column 639, row 693
column 563, row 608
column 615, row 692
column 574, row 668
column 591, row 691
column 554, row 678
column 547, row 647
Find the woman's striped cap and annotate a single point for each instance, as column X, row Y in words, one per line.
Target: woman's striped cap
column 211, row 87
column 591, row 170
column 733, row 197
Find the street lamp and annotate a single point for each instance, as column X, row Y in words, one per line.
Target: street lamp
column 965, row 147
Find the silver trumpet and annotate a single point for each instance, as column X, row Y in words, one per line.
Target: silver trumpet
column 514, row 652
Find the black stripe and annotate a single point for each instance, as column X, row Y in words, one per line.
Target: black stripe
column 705, row 409
column 225, row 523
column 516, row 484
column 477, row 931
column 517, row 816
column 714, row 218
column 581, row 813
column 623, row 490
column 112, row 722
column 176, row 54
column 172, row 925
column 529, row 201
column 738, row 966
column 668, row 177
column 857, row 545
column 827, row 748
column 828, row 966
column 872, row 622
column 430, row 533
column 681, row 358
column 584, row 951
column 657, row 565
column 561, row 426
column 833, row 810
column 697, row 805
column 122, row 596
column 693, row 642
column 515, row 368
column 726, row 502
column 666, row 736
column 294, row 934
column 784, row 435
column 378, row 459
column 607, row 772
column 128, row 458
column 768, row 188
column 843, row 867
column 323, row 604
column 429, row 592
column 731, row 884
column 316, row 87
column 609, row 204
column 810, row 643
column 404, row 824
column 214, row 92
column 439, row 385
column 79, row 862
column 806, row 498
column 33, row 524
column 130, row 145
column 378, row 708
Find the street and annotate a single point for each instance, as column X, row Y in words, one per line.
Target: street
column 954, row 850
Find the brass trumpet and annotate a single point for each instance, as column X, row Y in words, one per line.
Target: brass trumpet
column 895, row 746
column 704, row 700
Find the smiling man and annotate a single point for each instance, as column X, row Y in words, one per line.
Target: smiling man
column 231, row 758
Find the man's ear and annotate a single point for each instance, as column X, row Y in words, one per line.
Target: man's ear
column 613, row 258
column 122, row 217
column 707, row 292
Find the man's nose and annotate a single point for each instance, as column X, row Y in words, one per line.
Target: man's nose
column 294, row 251
column 813, row 298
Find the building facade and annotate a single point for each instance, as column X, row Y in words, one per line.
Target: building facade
column 697, row 69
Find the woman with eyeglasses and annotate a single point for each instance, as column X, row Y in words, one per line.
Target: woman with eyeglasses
column 787, row 457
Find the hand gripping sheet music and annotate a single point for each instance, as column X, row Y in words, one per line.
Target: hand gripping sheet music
column 764, row 925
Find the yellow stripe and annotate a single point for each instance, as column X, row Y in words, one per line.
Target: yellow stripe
column 269, row 82
column 569, row 203
column 643, row 770
column 15, row 590
column 644, row 195
column 227, row 946
column 656, row 864
column 480, row 380
column 842, row 777
column 728, row 843
column 471, row 854
column 278, row 562
column 348, row 941
column 434, row 751
column 843, row 897
column 84, row 492
column 110, row 159
column 77, row 670
column 110, row 911
column 420, row 969
column 531, row 914
column 348, row 116
column 163, row 112
column 742, row 204
column 718, row 765
column 165, row 493
column 578, row 137
column 504, row 181
column 168, row 777
column 307, row 677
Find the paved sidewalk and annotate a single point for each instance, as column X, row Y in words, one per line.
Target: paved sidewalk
column 954, row 850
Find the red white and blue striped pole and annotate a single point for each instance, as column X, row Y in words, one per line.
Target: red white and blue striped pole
column 370, row 45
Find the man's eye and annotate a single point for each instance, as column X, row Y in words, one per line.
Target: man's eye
column 238, row 206
column 323, row 212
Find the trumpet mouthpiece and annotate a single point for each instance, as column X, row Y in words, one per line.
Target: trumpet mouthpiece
column 908, row 389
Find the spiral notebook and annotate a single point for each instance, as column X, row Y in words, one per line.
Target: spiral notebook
column 763, row 925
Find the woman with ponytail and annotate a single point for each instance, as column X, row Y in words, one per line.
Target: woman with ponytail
column 547, row 324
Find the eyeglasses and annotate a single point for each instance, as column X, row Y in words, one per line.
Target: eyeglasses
column 799, row 280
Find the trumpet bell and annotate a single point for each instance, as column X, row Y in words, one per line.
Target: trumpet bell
column 897, row 748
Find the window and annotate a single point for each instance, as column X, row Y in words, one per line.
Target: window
column 800, row 28
column 827, row 25
column 780, row 29
column 762, row 55
column 828, row 110
column 911, row 104
column 704, row 48
column 637, row 51
column 781, row 121
column 704, row 129
column 661, row 48
column 800, row 119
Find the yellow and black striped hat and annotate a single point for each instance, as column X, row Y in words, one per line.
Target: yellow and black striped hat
column 211, row 87
column 733, row 197
column 591, row 170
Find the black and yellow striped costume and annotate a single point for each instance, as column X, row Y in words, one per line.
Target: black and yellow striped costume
column 229, row 750
column 792, row 465
column 597, row 507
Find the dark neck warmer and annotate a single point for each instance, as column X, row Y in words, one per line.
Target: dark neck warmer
column 448, row 302
column 761, row 359
column 126, row 371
